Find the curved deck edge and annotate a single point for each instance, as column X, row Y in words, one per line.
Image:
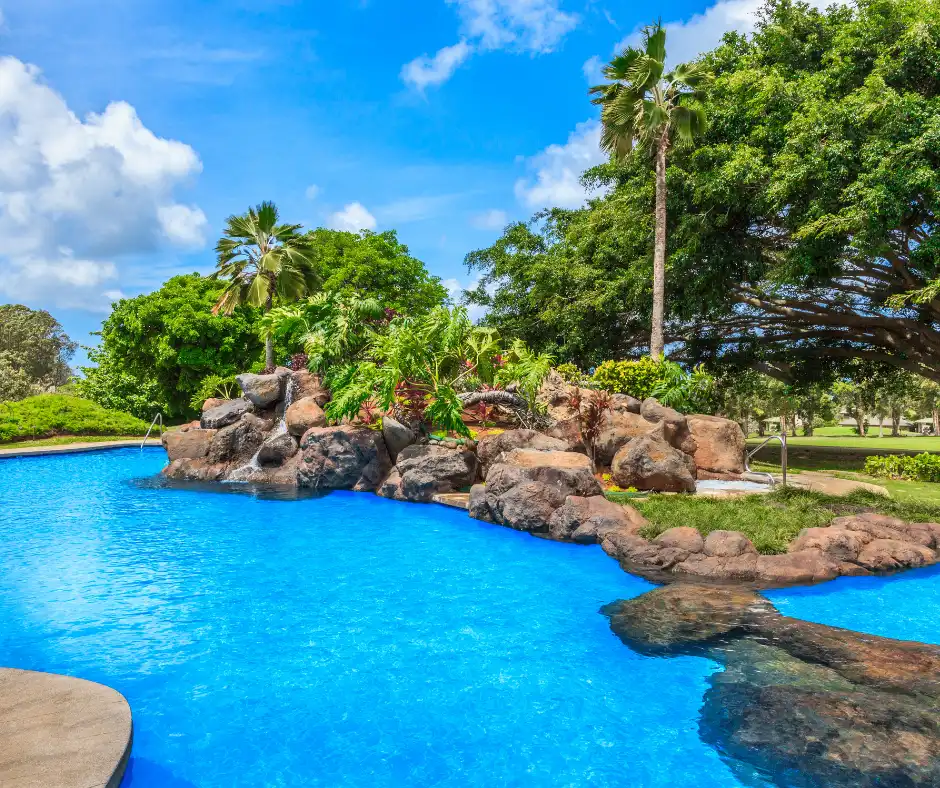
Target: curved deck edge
column 61, row 732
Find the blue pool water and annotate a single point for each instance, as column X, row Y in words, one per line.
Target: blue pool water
column 336, row 641
column 905, row 606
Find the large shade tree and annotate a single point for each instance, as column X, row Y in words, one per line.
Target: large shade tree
column 643, row 102
column 34, row 352
column 809, row 202
column 263, row 261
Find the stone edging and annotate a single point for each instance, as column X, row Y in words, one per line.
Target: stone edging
column 73, row 448
column 61, row 731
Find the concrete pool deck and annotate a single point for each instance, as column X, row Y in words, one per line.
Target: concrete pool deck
column 71, row 448
column 61, row 732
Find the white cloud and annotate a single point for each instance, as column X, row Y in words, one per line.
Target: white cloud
column 686, row 39
column 312, row 192
column 78, row 195
column 535, row 26
column 424, row 71
column 353, row 218
column 455, row 291
column 593, row 70
column 490, row 220
column 414, row 209
column 556, row 171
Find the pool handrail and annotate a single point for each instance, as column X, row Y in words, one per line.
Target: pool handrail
column 782, row 437
column 158, row 417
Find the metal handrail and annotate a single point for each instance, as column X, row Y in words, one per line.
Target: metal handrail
column 158, row 417
column 783, row 459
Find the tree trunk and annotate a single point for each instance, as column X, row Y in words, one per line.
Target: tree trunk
column 269, row 340
column 895, row 422
column 936, row 421
column 657, row 344
column 859, row 417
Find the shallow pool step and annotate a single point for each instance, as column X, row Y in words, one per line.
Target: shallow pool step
column 457, row 500
column 61, row 732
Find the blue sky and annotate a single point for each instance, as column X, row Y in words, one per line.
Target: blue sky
column 130, row 130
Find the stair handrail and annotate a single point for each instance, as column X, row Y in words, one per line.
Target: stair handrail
column 158, row 417
column 782, row 437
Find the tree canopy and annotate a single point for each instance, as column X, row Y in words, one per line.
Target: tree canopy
column 375, row 265
column 809, row 202
column 34, row 352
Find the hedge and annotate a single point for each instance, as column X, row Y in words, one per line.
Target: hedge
column 919, row 468
column 50, row 415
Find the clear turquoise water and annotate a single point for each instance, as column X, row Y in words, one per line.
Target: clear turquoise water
column 336, row 641
column 905, row 606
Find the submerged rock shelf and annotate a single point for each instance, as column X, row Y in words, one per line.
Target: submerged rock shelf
column 801, row 704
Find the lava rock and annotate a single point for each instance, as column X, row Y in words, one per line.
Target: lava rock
column 422, row 472
column 397, row 436
column 303, row 414
column 719, row 442
column 491, row 448
column 651, row 463
column 225, row 414
column 192, row 444
column 589, row 520
column 727, row 544
column 263, row 390
column 238, row 442
column 277, row 450
column 344, row 457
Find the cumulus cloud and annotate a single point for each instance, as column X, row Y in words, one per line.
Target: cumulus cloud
column 312, row 192
column 593, row 70
column 427, row 71
column 353, row 218
column 555, row 178
column 77, row 195
column 490, row 220
column 534, row 26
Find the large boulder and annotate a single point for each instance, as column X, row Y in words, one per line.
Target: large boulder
column 192, row 444
column 886, row 555
column 840, row 543
column 422, row 472
column 651, row 463
column 525, row 488
column 563, row 414
column 619, row 425
column 590, row 520
column 278, row 449
column 225, row 414
column 491, row 448
column 719, row 444
column 303, row 414
column 263, row 390
column 344, row 457
column 802, row 567
column 212, row 402
column 675, row 425
column 727, row 544
column 237, row 443
column 397, row 436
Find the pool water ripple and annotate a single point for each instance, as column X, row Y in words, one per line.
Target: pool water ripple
column 337, row 641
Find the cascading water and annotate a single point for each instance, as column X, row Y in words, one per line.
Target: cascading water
column 244, row 473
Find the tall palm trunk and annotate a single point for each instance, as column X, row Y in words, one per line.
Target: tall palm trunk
column 657, row 345
column 269, row 339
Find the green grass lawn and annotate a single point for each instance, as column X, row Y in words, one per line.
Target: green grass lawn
column 64, row 440
column 906, row 442
column 770, row 521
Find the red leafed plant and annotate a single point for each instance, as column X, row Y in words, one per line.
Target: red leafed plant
column 592, row 417
column 298, row 362
column 368, row 412
column 410, row 400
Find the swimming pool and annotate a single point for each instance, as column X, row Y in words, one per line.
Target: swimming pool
column 337, row 641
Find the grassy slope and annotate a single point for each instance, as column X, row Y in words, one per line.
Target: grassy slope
column 52, row 415
column 906, row 442
column 769, row 521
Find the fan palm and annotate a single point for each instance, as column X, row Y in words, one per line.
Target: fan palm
column 263, row 261
column 643, row 103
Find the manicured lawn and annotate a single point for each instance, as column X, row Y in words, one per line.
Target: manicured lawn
column 907, row 442
column 770, row 521
column 64, row 440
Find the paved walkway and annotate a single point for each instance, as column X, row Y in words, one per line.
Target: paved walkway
column 70, row 448
column 61, row 732
column 831, row 485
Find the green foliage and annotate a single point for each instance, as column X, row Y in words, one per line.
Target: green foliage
column 34, row 352
column 811, row 199
column 57, row 414
column 215, row 386
column 156, row 349
column 375, row 265
column 526, row 369
column 571, row 374
column 665, row 380
column 919, row 468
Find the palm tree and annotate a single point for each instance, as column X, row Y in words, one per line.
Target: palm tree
column 263, row 260
column 642, row 103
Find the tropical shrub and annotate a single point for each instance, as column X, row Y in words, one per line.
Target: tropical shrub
column 48, row 415
column 665, row 380
column 920, row 468
column 215, row 386
column 572, row 375
column 34, row 352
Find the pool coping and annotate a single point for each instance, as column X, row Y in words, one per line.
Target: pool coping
column 73, row 448
column 61, row 732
